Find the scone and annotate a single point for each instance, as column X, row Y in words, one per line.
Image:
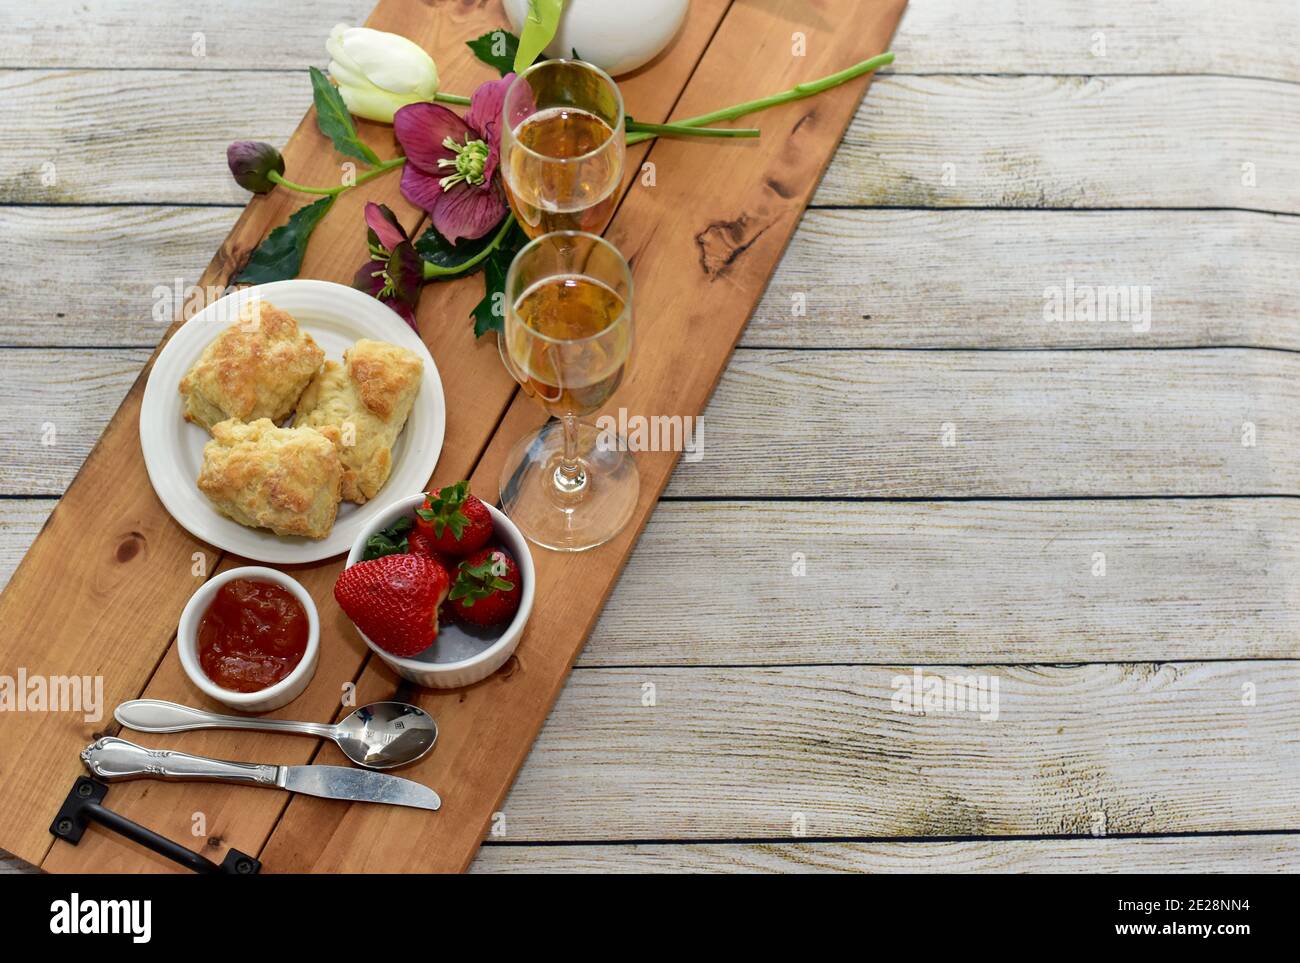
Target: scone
column 367, row 398
column 254, row 369
column 284, row 479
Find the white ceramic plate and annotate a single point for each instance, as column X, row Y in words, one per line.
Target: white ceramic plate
column 335, row 316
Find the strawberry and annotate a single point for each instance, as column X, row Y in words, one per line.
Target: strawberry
column 420, row 543
column 487, row 587
column 394, row 600
column 455, row 521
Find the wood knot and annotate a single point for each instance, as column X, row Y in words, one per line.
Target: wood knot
column 130, row 546
column 780, row 190
column 722, row 242
column 510, row 668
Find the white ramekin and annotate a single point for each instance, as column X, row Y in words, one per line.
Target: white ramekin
column 451, row 675
column 272, row 697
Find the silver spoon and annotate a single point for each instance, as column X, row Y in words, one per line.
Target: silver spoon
column 378, row 736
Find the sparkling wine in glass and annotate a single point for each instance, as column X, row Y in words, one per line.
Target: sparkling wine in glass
column 567, row 338
column 562, row 147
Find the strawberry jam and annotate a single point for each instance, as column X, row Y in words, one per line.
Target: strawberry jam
column 252, row 635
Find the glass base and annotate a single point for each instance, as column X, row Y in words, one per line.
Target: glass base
column 597, row 504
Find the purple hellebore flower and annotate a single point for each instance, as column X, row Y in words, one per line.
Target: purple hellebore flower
column 395, row 272
column 451, row 162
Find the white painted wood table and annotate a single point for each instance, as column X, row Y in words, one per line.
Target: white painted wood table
column 1099, row 514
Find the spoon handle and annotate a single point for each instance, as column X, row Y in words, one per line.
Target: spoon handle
column 154, row 715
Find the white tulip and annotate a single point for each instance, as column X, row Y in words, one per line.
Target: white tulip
column 379, row 72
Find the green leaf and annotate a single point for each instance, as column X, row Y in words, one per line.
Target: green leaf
column 391, row 541
column 476, row 582
column 436, row 249
column 444, row 510
column 334, row 121
column 489, row 314
column 496, row 48
column 539, row 28
column 279, row 257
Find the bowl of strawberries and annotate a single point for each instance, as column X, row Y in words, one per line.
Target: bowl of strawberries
column 439, row 587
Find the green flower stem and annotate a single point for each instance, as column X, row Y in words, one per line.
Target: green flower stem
column 797, row 92
column 441, row 97
column 432, row 270
column 374, row 172
column 660, row 130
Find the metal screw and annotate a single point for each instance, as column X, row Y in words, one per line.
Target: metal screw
column 64, row 826
column 243, row 867
column 85, row 790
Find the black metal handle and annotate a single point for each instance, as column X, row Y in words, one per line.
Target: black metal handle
column 85, row 805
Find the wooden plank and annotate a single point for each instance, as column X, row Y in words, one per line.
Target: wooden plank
column 1216, row 277
column 976, row 278
column 977, row 582
column 1188, row 854
column 1273, row 853
column 20, row 522
column 1021, row 424
column 1136, row 37
column 696, row 309
column 967, row 581
column 62, row 147
column 1125, row 749
column 734, row 753
column 56, row 404
column 1025, row 424
column 949, row 36
column 141, row 256
column 248, row 34
column 477, row 388
column 12, row 864
column 1074, row 142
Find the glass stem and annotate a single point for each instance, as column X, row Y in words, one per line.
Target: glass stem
column 569, row 476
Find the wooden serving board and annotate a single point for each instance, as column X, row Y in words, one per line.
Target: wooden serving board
column 101, row 588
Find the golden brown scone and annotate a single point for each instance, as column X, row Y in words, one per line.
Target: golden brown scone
column 256, row 368
column 284, row 479
column 367, row 398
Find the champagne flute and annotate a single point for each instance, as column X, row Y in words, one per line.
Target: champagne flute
column 562, row 146
column 569, row 486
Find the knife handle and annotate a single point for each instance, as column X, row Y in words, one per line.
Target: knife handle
column 113, row 758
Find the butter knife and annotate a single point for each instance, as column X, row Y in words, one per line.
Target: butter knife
column 113, row 758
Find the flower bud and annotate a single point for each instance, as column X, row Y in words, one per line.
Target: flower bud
column 252, row 161
column 379, row 72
